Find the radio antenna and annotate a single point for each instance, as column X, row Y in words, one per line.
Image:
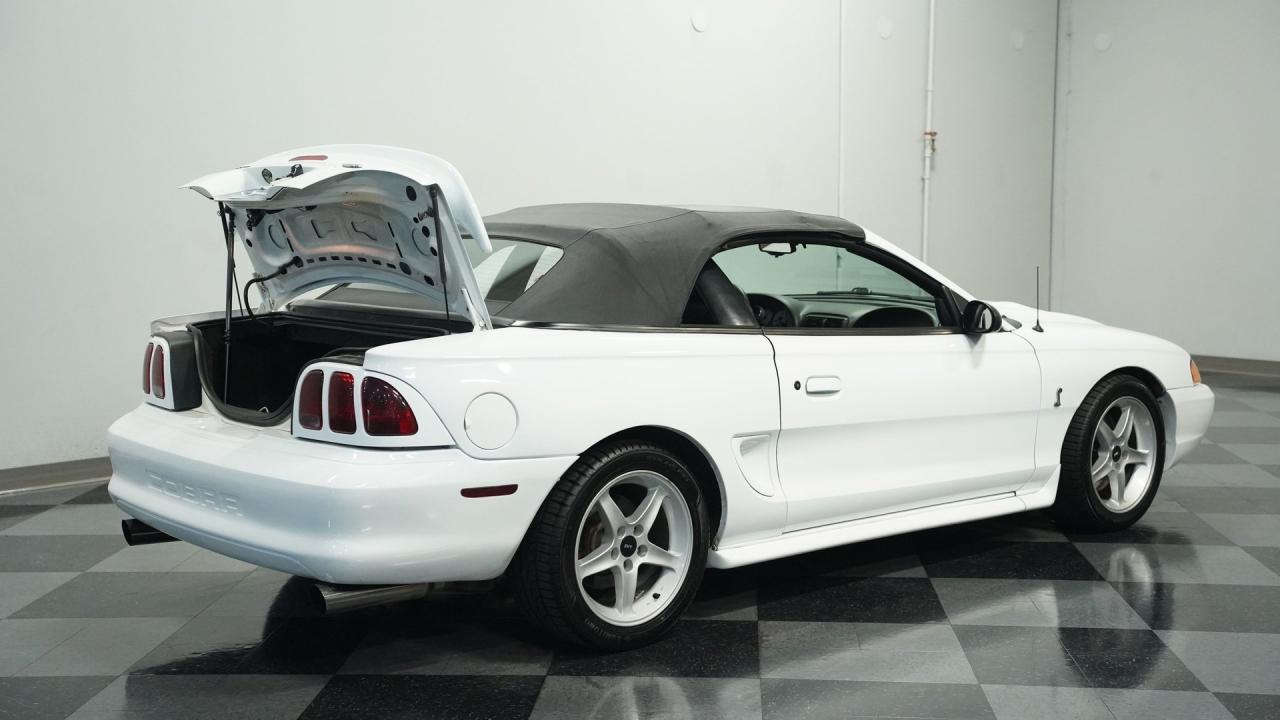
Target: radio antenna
column 1037, row 327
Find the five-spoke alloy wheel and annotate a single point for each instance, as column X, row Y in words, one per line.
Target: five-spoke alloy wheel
column 632, row 560
column 1112, row 457
column 617, row 550
column 1123, row 447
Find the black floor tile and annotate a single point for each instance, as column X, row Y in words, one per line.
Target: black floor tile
column 207, row 646
column 267, row 593
column 305, row 646
column 1172, row 528
column 1095, row 641
column 126, row 594
column 697, row 648
column 1264, row 435
column 791, row 699
column 1015, row 560
column 1242, row 501
column 1159, row 670
column 1133, row 659
column 11, row 515
column 55, row 553
column 1212, row 455
column 1269, row 556
column 205, row 697
column 96, row 495
column 255, row 647
column 1218, row 379
column 48, row 498
column 1220, row 608
column 1251, row 707
column 46, row 698
column 830, row 599
column 1230, row 404
column 1019, row 656
column 425, row 696
column 565, row 697
column 444, row 646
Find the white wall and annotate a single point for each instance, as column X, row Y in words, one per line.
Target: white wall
column 993, row 110
column 109, row 106
column 1167, row 216
column 993, row 172
column 883, row 74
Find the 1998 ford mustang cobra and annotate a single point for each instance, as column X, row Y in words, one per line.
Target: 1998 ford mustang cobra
column 600, row 401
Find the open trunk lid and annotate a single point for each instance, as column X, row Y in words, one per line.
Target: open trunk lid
column 355, row 213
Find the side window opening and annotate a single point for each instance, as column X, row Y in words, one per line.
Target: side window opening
column 717, row 301
column 822, row 285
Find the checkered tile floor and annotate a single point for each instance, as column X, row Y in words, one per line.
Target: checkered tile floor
column 1178, row 617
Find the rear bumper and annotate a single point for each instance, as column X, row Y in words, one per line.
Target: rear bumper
column 1193, row 408
column 333, row 513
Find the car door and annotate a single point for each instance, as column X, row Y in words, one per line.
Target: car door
column 882, row 411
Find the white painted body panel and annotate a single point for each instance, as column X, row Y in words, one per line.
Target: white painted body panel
column 360, row 515
column 885, row 434
column 330, row 512
column 573, row 388
column 916, row 420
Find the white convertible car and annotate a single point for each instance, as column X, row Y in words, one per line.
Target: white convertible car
column 600, row 401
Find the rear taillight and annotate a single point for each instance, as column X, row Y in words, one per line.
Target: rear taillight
column 146, row 369
column 342, row 403
column 385, row 410
column 157, row 372
column 309, row 399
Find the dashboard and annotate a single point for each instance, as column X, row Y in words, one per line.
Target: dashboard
column 844, row 311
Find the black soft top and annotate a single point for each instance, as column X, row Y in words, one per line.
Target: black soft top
column 635, row 264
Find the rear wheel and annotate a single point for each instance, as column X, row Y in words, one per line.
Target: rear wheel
column 1112, row 457
column 617, row 551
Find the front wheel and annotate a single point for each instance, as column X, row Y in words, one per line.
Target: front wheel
column 617, row 551
column 1112, row 457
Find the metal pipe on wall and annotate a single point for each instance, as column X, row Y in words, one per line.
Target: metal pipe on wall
column 929, row 137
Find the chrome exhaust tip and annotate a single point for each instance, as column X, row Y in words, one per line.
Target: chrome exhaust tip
column 335, row 599
column 137, row 532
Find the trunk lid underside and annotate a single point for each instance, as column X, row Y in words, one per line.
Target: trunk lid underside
column 355, row 213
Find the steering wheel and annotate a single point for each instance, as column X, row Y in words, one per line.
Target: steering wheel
column 769, row 311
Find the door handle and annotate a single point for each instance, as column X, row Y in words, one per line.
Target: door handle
column 822, row 385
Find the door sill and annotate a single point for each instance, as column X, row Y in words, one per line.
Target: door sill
column 796, row 542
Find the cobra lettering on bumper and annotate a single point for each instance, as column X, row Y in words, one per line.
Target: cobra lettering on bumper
column 213, row 500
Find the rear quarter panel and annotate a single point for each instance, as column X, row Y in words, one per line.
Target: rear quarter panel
column 571, row 388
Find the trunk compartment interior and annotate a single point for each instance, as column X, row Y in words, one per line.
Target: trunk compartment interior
column 269, row 351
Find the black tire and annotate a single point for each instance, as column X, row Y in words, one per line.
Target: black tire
column 543, row 569
column 1077, row 505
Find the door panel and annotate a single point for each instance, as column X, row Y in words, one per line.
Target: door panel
column 880, row 423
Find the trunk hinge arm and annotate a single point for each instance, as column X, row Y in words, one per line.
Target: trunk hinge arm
column 444, row 276
column 228, row 222
column 467, row 289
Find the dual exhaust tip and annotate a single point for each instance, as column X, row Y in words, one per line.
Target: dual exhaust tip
column 332, row 599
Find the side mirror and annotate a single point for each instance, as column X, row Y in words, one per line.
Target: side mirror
column 979, row 318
